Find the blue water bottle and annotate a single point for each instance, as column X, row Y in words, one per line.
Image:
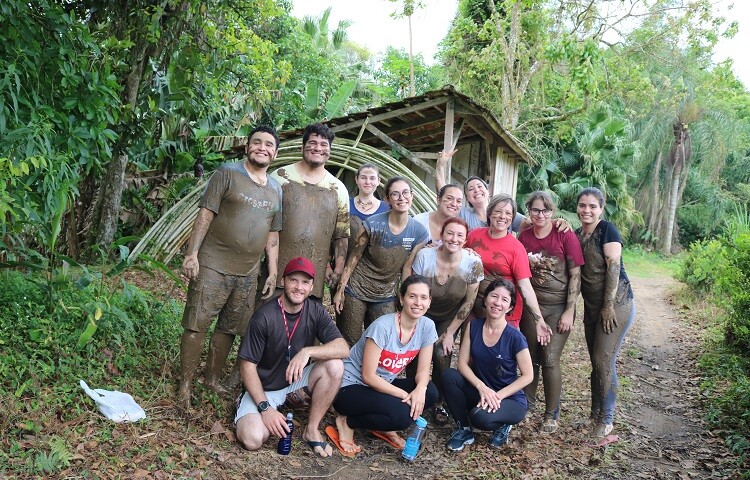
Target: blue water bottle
column 285, row 443
column 414, row 440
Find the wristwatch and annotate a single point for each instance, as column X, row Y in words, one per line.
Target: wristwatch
column 263, row 406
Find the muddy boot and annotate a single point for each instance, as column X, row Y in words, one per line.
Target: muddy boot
column 218, row 351
column 233, row 381
column 191, row 346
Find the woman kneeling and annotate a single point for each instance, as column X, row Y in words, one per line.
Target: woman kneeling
column 371, row 397
column 486, row 391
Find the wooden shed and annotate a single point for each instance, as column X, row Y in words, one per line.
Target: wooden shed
column 417, row 128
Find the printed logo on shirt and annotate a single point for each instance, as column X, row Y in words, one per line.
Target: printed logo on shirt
column 261, row 204
column 407, row 243
column 394, row 362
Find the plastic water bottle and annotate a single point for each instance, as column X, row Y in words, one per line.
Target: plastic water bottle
column 285, row 443
column 414, row 440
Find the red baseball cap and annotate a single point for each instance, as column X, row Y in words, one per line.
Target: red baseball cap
column 300, row 264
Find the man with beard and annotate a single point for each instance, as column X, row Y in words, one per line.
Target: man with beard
column 274, row 357
column 316, row 210
column 239, row 218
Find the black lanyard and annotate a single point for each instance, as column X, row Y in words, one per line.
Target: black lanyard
column 286, row 327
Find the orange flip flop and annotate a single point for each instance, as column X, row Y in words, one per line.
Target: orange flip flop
column 389, row 438
column 333, row 434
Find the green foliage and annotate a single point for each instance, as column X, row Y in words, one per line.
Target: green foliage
column 392, row 77
column 45, row 354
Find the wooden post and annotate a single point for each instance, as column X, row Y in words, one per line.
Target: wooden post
column 450, row 108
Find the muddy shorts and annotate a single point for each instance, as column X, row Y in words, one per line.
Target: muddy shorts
column 211, row 294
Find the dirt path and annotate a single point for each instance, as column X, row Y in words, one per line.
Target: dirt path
column 665, row 431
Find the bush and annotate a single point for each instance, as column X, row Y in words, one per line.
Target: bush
column 42, row 359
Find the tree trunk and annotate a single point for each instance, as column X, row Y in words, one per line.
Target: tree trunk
column 653, row 213
column 673, row 195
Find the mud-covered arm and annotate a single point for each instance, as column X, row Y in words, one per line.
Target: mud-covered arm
column 440, row 169
column 272, row 255
column 448, row 338
column 543, row 332
column 190, row 265
column 612, row 254
column 351, row 263
column 340, row 247
column 574, row 288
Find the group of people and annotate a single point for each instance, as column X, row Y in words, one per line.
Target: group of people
column 402, row 288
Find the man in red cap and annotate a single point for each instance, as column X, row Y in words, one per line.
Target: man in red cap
column 274, row 357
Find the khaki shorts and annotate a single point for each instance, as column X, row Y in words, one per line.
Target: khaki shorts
column 211, row 294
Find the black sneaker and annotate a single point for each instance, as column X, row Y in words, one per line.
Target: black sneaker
column 500, row 436
column 462, row 436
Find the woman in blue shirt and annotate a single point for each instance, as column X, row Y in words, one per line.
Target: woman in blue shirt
column 486, row 391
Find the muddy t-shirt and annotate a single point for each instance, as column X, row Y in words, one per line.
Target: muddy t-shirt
column 356, row 218
column 594, row 272
column 468, row 215
column 502, row 257
column 375, row 277
column 395, row 356
column 245, row 213
column 447, row 298
column 496, row 365
column 315, row 215
column 265, row 343
column 548, row 261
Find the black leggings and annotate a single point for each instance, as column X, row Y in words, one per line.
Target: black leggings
column 462, row 399
column 368, row 409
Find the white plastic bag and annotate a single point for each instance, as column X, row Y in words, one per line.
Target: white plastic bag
column 117, row 406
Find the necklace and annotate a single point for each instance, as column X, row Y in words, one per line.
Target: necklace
column 400, row 333
column 365, row 205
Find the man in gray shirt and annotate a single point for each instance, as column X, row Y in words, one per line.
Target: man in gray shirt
column 239, row 218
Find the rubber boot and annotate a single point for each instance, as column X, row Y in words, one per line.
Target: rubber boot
column 233, row 381
column 218, row 351
column 191, row 347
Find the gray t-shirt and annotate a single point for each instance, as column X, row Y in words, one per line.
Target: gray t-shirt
column 375, row 277
column 448, row 297
column 245, row 213
column 424, row 219
column 395, row 355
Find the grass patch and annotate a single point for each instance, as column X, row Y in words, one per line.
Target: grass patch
column 645, row 264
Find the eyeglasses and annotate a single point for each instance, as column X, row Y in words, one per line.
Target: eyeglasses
column 406, row 194
column 536, row 211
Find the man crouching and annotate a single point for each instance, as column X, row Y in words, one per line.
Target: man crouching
column 274, row 357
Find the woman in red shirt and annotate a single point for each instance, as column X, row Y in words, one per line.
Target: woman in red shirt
column 505, row 257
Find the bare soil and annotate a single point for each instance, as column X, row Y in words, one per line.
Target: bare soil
column 658, row 422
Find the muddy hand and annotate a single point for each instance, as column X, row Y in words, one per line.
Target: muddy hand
column 333, row 280
column 269, row 287
column 190, row 266
column 609, row 322
column 543, row 332
column 338, row 300
column 563, row 225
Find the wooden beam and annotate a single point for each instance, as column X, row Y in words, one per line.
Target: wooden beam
column 400, row 149
column 393, row 113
